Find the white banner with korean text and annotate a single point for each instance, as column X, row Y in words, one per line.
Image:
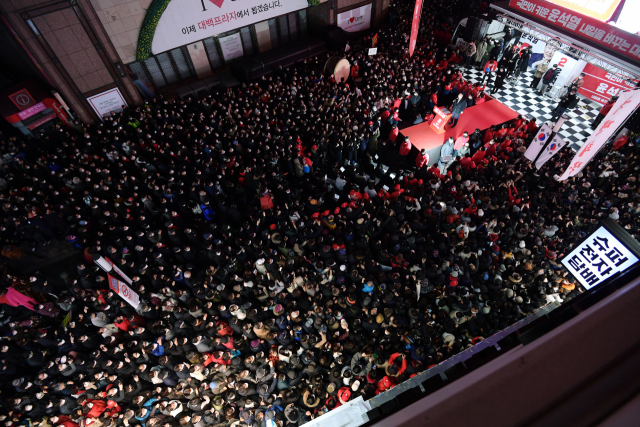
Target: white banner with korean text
column 622, row 109
column 187, row 21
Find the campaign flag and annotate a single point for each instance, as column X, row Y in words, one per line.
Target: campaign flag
column 374, row 40
column 538, row 142
column 415, row 26
column 554, row 147
column 621, row 110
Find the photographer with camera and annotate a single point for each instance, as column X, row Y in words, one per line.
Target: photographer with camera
column 569, row 100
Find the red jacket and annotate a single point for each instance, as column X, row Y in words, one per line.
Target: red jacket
column 393, row 134
column 422, row 160
column 405, row 148
column 491, row 65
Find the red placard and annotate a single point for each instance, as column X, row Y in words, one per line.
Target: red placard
column 597, row 32
column 415, row 26
column 22, row 99
column 600, row 85
column 440, row 120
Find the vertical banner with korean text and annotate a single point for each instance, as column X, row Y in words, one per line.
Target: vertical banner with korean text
column 622, row 109
column 415, row 26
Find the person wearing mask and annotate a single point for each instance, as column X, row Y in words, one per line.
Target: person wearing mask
column 568, row 101
column 604, row 111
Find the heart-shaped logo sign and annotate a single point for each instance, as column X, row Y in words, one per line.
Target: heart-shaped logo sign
column 351, row 20
column 217, row 2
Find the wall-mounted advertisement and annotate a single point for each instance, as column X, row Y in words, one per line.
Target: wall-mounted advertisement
column 106, row 102
column 357, row 19
column 231, row 46
column 187, row 21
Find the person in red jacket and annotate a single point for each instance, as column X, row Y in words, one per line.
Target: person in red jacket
column 397, row 365
column 604, row 111
column 490, row 148
column 422, row 159
column 478, row 156
column 405, row 147
column 394, row 133
column 489, row 68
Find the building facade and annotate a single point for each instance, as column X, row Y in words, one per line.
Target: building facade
column 98, row 55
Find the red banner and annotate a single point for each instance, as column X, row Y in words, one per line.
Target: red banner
column 55, row 106
column 374, row 40
column 415, row 26
column 597, row 32
column 600, row 85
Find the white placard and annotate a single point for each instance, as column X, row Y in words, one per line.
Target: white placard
column 188, row 21
column 598, row 258
column 373, row 51
column 357, row 19
column 231, row 46
column 127, row 294
column 106, row 102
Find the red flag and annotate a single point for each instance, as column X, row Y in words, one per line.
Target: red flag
column 415, row 26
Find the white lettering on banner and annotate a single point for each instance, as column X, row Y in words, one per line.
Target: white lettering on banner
column 188, row 21
column 623, row 108
column 357, row 19
column 127, row 294
column 554, row 147
column 106, row 102
column 538, row 142
column 598, row 258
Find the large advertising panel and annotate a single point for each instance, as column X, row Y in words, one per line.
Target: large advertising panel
column 357, row 19
column 600, row 85
column 597, row 32
column 187, row 21
column 599, row 9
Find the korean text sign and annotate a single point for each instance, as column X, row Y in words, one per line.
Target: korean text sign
column 598, row 258
column 187, row 21
column 600, row 85
column 583, row 26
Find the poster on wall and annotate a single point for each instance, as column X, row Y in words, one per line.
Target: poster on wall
column 540, row 51
column 106, row 102
column 187, row 21
column 357, row 19
column 566, row 64
column 231, row 46
column 600, row 85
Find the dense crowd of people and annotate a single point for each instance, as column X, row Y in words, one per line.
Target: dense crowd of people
column 282, row 269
